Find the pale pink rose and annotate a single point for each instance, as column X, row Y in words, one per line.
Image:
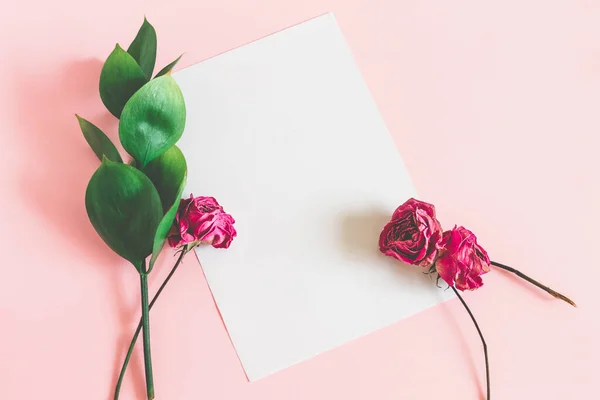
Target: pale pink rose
column 462, row 260
column 202, row 220
column 413, row 234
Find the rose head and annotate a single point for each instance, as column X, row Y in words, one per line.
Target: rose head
column 202, row 220
column 463, row 261
column 413, row 234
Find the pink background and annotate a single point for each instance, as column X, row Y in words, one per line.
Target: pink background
column 494, row 107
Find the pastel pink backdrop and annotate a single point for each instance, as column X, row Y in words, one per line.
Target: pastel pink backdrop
column 494, row 106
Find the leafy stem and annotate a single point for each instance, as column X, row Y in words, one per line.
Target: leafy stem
column 139, row 327
column 146, row 330
column 485, row 352
column 534, row 282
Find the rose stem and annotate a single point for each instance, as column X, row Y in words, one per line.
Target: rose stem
column 146, row 333
column 485, row 352
column 534, row 282
column 139, row 327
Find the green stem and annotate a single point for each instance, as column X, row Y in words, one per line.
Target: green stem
column 146, row 333
column 485, row 352
column 139, row 327
column 534, row 282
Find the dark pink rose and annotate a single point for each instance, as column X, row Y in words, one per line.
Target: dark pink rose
column 462, row 260
column 413, row 234
column 202, row 220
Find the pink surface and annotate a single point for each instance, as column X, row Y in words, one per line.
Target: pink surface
column 503, row 95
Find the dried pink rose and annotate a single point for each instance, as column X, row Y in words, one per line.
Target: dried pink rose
column 462, row 260
column 413, row 234
column 202, row 220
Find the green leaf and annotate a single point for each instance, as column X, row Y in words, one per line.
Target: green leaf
column 152, row 120
column 98, row 141
column 125, row 209
column 167, row 70
column 168, row 174
column 120, row 78
column 143, row 48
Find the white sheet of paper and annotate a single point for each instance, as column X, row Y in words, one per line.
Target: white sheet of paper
column 285, row 134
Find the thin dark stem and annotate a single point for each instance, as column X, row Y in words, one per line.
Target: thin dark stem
column 485, row 352
column 139, row 327
column 534, row 282
column 146, row 336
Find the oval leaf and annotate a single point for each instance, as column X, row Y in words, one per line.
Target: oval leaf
column 120, row 78
column 169, row 68
column 143, row 48
column 168, row 173
column 152, row 120
column 98, row 141
column 125, row 209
